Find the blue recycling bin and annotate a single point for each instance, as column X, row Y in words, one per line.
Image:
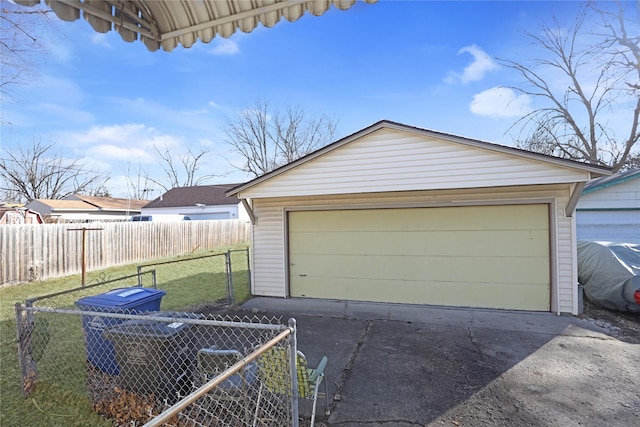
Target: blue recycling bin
column 100, row 351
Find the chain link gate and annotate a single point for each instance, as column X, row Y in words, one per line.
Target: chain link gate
column 221, row 277
column 134, row 366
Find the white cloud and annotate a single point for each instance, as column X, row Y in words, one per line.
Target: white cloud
column 114, row 152
column 482, row 64
column 198, row 112
column 131, row 142
column 100, row 39
column 224, row 47
column 500, row 102
column 116, row 133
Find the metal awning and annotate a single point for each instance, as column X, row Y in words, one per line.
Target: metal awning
column 167, row 23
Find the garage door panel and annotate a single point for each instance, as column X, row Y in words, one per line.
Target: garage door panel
column 479, row 269
column 438, row 219
column 528, row 297
column 486, row 256
column 422, row 243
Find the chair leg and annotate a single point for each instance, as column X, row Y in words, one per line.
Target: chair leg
column 315, row 400
column 327, row 411
column 255, row 417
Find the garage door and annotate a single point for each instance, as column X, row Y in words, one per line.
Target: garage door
column 609, row 226
column 480, row 256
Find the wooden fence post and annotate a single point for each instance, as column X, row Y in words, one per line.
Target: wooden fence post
column 84, row 249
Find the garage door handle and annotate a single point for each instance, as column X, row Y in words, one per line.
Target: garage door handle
column 303, row 275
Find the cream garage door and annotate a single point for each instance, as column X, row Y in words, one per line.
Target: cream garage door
column 480, row 256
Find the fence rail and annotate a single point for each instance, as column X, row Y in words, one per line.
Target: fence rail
column 36, row 252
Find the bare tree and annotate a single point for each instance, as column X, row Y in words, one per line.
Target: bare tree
column 138, row 183
column 21, row 44
column 36, row 171
column 268, row 140
column 181, row 169
column 601, row 82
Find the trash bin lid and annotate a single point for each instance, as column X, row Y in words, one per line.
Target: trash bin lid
column 121, row 298
column 153, row 328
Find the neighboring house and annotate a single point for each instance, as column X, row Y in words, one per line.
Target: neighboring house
column 395, row 213
column 78, row 208
column 609, row 209
column 19, row 215
column 198, row 202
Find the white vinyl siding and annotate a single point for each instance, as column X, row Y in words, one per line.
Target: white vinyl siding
column 621, row 226
column 389, row 160
column 610, row 214
column 625, row 195
column 269, row 232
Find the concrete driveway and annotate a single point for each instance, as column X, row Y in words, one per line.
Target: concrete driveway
column 403, row 365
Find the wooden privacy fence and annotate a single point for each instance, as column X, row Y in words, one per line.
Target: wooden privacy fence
column 32, row 252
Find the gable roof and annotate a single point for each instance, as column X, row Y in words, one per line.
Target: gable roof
column 65, row 204
column 110, row 203
column 209, row 195
column 611, row 180
column 78, row 202
column 458, row 140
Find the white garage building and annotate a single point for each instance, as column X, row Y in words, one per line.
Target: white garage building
column 609, row 209
column 395, row 213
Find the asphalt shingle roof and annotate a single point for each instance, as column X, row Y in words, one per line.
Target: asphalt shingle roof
column 209, row 195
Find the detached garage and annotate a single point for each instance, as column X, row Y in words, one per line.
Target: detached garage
column 400, row 214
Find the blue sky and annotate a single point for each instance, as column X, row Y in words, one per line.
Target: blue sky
column 422, row 63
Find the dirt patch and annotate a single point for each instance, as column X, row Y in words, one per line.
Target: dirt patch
column 624, row 326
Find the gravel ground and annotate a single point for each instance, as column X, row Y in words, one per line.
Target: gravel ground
column 624, row 326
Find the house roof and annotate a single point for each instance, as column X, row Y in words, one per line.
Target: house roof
column 112, row 203
column 167, row 23
column 597, row 170
column 91, row 203
column 611, row 180
column 68, row 205
column 209, row 195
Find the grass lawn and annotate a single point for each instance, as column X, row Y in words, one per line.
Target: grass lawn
column 65, row 402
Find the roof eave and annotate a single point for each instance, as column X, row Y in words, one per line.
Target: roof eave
column 612, row 183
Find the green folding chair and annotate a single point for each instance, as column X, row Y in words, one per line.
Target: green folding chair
column 273, row 371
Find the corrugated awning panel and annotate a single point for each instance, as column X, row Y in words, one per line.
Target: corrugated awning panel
column 167, row 23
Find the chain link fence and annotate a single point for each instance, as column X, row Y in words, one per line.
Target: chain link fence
column 145, row 348
column 160, row 367
column 258, row 389
column 222, row 277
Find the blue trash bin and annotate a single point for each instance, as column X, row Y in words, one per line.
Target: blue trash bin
column 100, row 352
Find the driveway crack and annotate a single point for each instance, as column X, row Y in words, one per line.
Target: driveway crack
column 352, row 360
column 474, row 343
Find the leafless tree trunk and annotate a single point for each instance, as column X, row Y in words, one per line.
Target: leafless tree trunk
column 37, row 172
column 602, row 81
column 267, row 140
column 181, row 169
